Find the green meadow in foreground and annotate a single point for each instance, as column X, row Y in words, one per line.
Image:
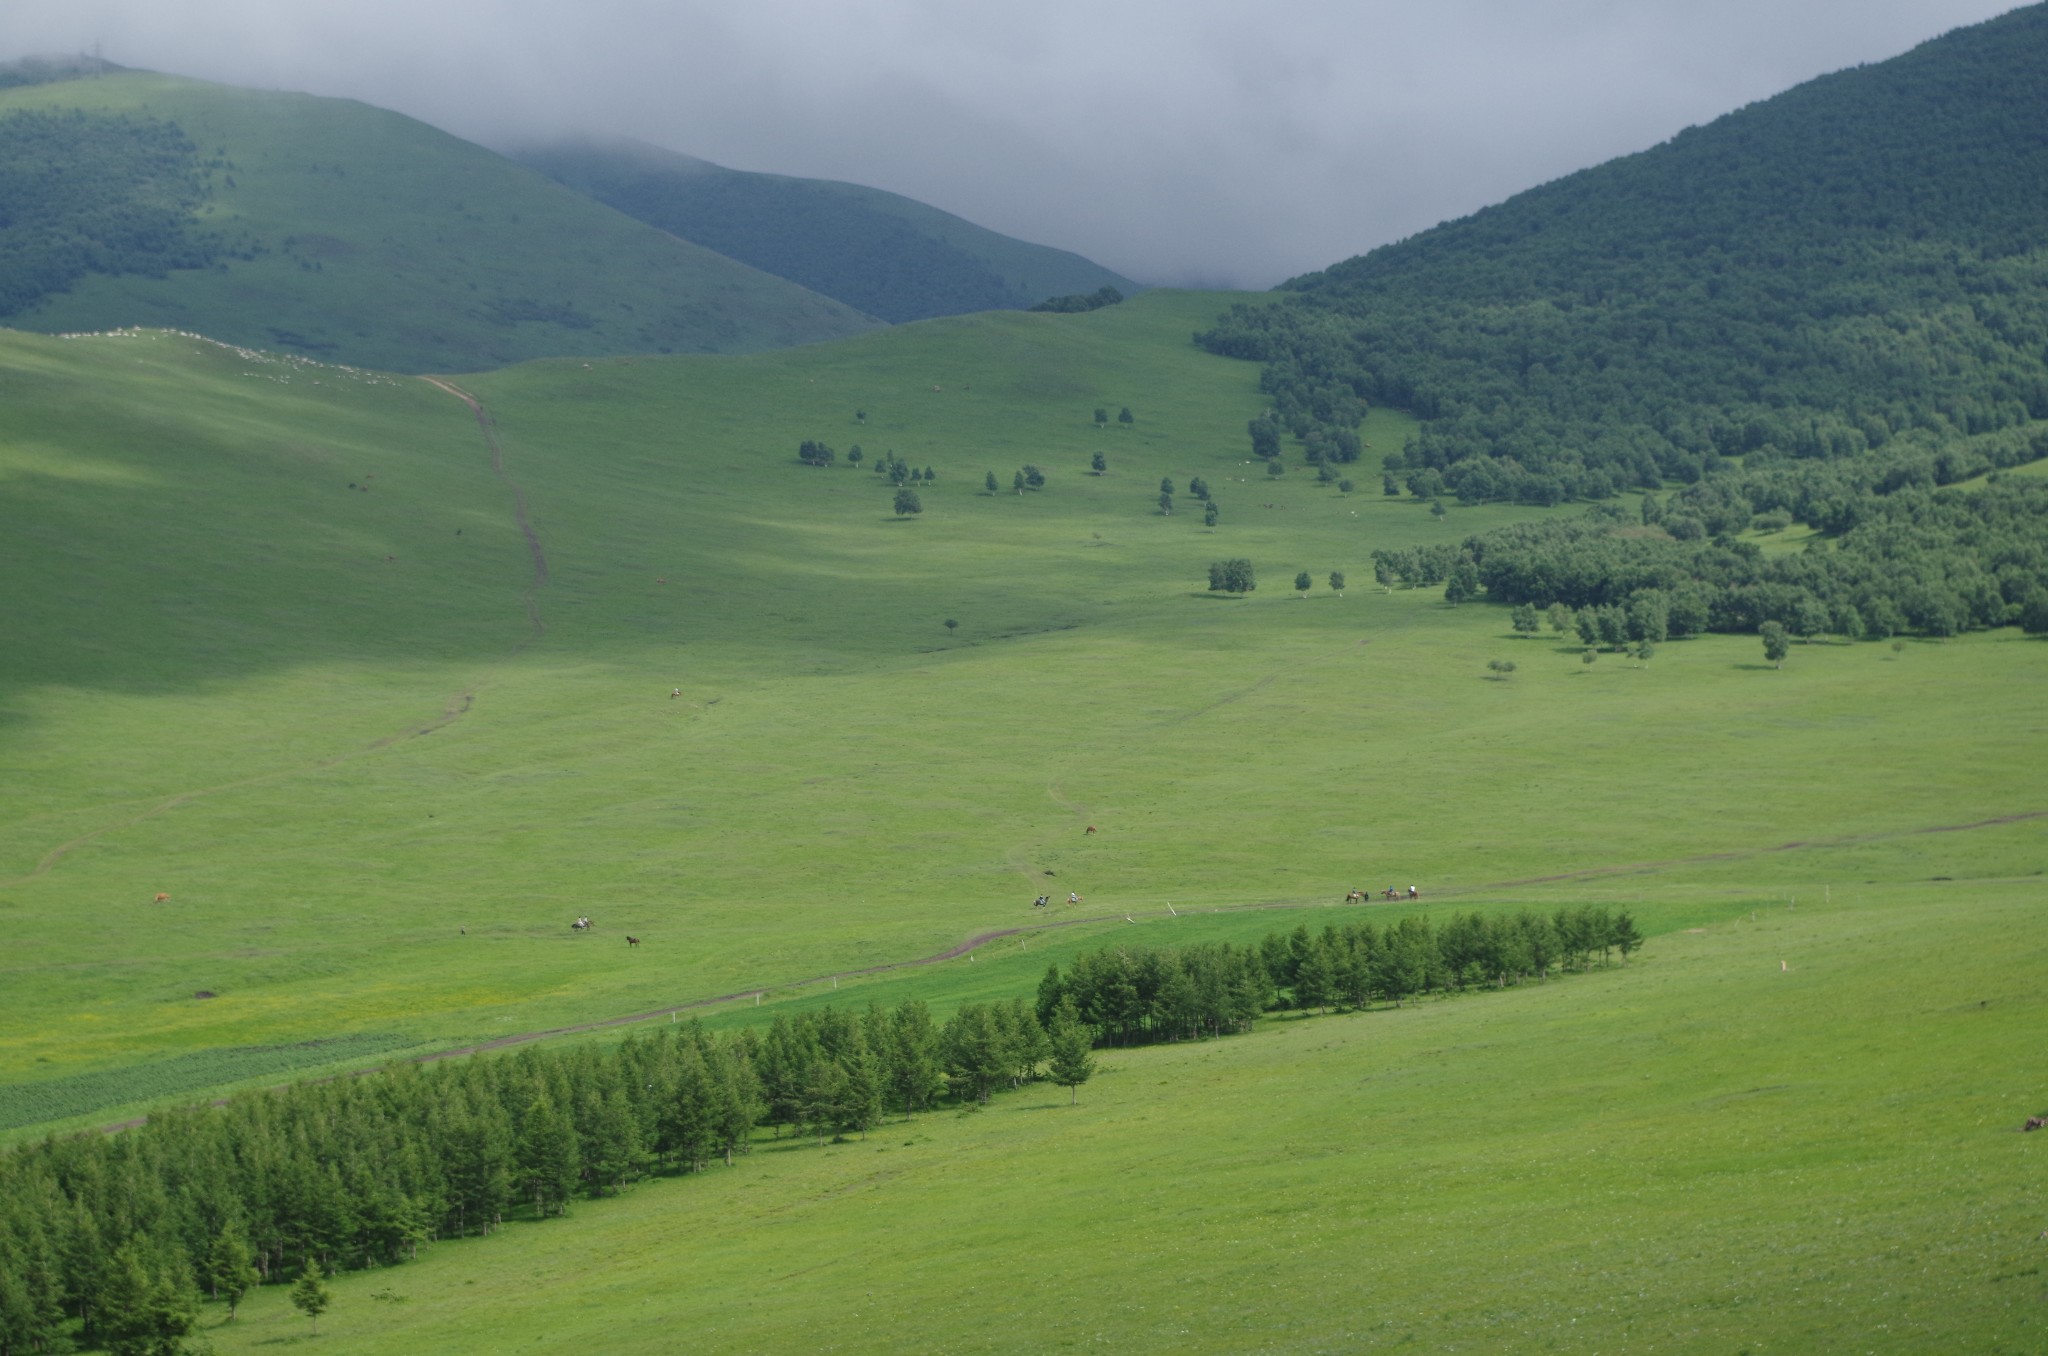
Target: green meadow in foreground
column 378, row 763
column 1793, row 1129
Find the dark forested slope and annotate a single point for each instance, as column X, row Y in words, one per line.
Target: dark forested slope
column 1858, row 263
column 879, row 253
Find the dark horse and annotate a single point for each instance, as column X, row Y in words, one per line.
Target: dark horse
column 632, row 940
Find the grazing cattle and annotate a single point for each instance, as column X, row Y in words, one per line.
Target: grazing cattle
column 632, row 941
column 162, row 897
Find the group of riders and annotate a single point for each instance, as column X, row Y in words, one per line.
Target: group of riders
column 580, row 925
column 1044, row 900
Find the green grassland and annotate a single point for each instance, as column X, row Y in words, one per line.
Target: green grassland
column 326, row 725
column 1781, row 1132
column 391, row 244
column 379, row 760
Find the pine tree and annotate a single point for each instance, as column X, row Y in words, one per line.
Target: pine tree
column 229, row 1272
column 309, row 1296
column 547, row 1157
column 1072, row 1061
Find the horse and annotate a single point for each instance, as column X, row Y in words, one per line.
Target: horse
column 1090, row 829
column 1354, row 896
column 632, row 940
column 162, row 897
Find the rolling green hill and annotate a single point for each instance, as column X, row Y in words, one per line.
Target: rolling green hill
column 878, row 252
column 1855, row 266
column 381, row 697
column 345, row 232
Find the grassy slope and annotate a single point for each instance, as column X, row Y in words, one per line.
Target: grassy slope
column 426, row 246
column 1700, row 1152
column 844, row 783
column 671, row 190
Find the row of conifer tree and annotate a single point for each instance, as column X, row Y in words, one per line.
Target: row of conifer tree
column 110, row 1240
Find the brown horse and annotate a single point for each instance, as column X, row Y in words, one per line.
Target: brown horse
column 162, row 897
column 1091, row 829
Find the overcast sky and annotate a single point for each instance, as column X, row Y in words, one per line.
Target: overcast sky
column 1233, row 142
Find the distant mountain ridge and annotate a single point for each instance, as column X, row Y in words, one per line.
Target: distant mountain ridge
column 346, row 232
column 876, row 251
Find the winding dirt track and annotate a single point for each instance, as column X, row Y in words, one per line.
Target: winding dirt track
column 982, row 939
column 456, row 707
column 519, row 514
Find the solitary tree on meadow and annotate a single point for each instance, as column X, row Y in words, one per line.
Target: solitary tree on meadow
column 1098, row 463
column 1209, row 514
column 993, row 487
column 1776, row 643
column 1166, row 503
column 907, row 502
column 309, row 1296
column 1303, row 582
column 1072, row 1064
column 1101, row 417
column 1124, row 416
column 1231, row 576
column 1337, row 582
column 1524, row 619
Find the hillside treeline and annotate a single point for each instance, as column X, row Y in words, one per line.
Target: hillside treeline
column 99, row 1233
column 1133, row 995
column 111, row 1240
column 95, row 193
column 1860, row 260
column 1928, row 561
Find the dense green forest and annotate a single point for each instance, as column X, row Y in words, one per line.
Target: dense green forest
column 112, row 1239
column 1859, row 260
column 95, row 193
column 1936, row 562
